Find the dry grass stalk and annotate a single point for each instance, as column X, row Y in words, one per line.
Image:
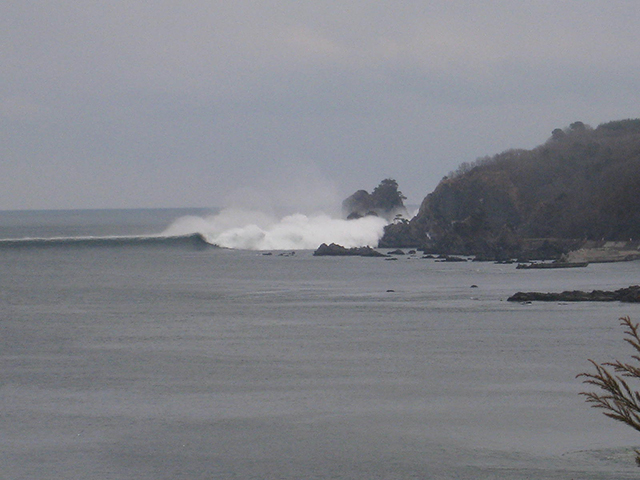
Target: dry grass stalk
column 619, row 401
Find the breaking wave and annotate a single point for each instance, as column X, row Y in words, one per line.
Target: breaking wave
column 252, row 230
column 193, row 240
column 232, row 228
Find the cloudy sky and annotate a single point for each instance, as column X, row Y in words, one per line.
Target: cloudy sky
column 110, row 104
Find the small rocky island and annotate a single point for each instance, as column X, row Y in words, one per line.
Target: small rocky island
column 385, row 201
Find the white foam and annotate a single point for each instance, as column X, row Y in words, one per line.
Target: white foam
column 253, row 230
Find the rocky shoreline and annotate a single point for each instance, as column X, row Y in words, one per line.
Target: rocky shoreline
column 338, row 250
column 630, row 295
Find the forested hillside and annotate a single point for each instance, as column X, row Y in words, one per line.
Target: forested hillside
column 582, row 183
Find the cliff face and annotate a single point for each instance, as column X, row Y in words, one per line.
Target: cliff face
column 582, row 184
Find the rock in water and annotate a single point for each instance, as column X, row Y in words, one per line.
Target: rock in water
column 630, row 295
column 338, row 250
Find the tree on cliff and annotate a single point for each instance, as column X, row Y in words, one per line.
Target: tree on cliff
column 386, row 195
column 618, row 400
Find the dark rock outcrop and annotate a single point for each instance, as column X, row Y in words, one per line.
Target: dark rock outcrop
column 630, row 294
column 385, row 201
column 338, row 250
column 358, row 205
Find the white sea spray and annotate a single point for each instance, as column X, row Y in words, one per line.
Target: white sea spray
column 254, row 230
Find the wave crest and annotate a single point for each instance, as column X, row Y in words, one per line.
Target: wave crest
column 252, row 230
column 191, row 240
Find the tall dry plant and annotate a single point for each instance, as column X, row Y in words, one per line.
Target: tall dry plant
column 618, row 400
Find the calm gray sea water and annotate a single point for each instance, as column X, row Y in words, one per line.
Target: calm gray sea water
column 174, row 362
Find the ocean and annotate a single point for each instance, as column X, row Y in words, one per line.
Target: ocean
column 133, row 349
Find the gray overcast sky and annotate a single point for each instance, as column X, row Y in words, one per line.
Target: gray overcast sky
column 109, row 104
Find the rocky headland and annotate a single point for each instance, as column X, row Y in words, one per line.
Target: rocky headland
column 575, row 196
